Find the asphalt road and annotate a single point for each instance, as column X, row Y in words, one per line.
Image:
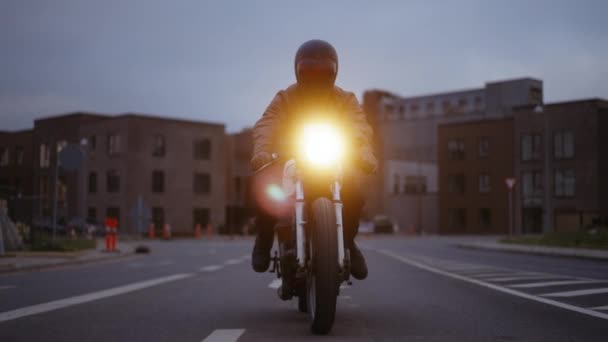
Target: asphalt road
column 418, row 290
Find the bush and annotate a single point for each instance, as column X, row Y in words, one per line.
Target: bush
column 595, row 239
column 61, row 245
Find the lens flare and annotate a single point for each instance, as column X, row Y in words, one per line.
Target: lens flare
column 322, row 144
column 275, row 193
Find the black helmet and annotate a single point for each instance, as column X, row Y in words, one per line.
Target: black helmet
column 316, row 63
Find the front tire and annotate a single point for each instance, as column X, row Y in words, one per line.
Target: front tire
column 323, row 283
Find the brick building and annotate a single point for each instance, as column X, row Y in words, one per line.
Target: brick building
column 561, row 160
column 16, row 164
column 239, row 203
column 406, row 129
column 474, row 159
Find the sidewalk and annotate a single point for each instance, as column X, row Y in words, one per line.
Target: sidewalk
column 493, row 243
column 28, row 261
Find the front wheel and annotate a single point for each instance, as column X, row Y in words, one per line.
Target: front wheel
column 323, row 282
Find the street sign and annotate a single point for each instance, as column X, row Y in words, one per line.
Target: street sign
column 71, row 157
column 510, row 181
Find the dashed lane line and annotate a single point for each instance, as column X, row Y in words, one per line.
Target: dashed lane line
column 89, row 297
column 211, row 268
column 576, row 293
column 275, row 284
column 494, row 286
column 225, row 335
column 525, row 277
column 605, row 307
column 233, row 261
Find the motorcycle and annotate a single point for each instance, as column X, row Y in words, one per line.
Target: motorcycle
column 311, row 260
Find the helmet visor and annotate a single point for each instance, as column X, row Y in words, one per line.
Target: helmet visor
column 315, row 71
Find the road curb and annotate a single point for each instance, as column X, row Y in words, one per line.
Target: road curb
column 11, row 268
column 539, row 250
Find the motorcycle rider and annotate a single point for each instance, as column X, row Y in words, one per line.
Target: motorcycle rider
column 316, row 67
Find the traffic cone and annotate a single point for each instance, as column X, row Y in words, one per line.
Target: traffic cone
column 113, row 239
column 208, row 231
column 197, row 231
column 108, row 239
column 166, row 232
column 151, row 231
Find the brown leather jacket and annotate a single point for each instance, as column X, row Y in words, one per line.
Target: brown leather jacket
column 272, row 131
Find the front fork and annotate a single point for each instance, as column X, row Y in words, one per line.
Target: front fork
column 300, row 222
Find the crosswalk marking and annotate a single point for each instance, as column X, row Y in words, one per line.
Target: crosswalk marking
column 554, row 283
column 577, row 293
column 224, row 335
column 494, row 287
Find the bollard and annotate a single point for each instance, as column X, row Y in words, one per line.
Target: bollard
column 166, row 231
column 151, row 231
column 208, row 231
column 197, row 231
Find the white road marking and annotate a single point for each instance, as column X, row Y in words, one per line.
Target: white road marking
column 345, row 286
column 494, row 275
column 6, row 287
column 605, row 307
column 576, row 293
column 525, row 277
column 345, row 297
column 495, row 287
column 89, row 297
column 554, row 283
column 211, row 268
column 246, row 257
column 224, row 335
column 165, row 263
column 233, row 261
column 275, row 284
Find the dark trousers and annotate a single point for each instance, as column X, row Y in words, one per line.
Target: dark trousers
column 352, row 201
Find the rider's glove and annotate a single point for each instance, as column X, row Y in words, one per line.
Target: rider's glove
column 368, row 161
column 260, row 159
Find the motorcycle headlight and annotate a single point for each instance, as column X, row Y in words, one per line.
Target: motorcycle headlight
column 321, row 144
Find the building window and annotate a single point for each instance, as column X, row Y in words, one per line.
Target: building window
column 159, row 146
column 19, row 155
column 92, row 142
column 414, row 107
column 113, row 144
column 565, row 182
column 483, row 147
column 478, row 101
column 532, row 185
column 61, row 144
column 45, row 156
column 43, row 187
column 456, row 149
column 202, row 149
column 92, row 215
column 389, row 108
column 462, row 103
column 530, row 147
column 563, row 144
column 414, row 185
column 113, row 212
column 536, row 95
column 457, row 218
column 112, row 181
column 396, row 184
column 485, row 218
column 202, row 183
column 158, row 217
column 200, row 216
column 4, row 156
column 158, row 181
column 92, row 182
column 485, row 185
column 456, row 183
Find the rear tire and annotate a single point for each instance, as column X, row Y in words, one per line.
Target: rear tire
column 302, row 303
column 323, row 283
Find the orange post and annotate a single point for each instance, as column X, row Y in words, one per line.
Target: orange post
column 208, row 231
column 197, row 231
column 166, row 232
column 151, row 231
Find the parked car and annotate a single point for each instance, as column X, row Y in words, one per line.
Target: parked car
column 384, row 225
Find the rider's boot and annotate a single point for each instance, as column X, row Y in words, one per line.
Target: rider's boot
column 358, row 266
column 260, row 257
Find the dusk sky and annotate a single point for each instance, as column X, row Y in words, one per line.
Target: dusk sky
column 223, row 61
